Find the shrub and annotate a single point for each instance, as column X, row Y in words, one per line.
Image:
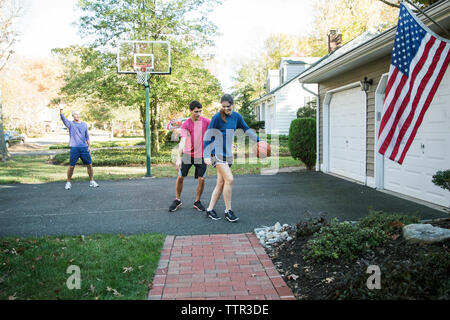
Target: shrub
column 308, row 111
column 442, row 179
column 343, row 241
column 311, row 225
column 302, row 141
column 256, row 125
column 118, row 157
column 388, row 223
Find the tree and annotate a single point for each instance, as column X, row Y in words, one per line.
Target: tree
column 252, row 74
column 9, row 12
column 351, row 17
column 28, row 87
column 187, row 22
column 308, row 111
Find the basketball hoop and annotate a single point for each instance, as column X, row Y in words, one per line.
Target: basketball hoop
column 142, row 72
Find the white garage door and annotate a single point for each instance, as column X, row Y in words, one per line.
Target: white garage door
column 429, row 152
column 348, row 134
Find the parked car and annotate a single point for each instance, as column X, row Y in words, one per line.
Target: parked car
column 13, row 137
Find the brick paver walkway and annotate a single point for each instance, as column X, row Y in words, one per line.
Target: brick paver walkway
column 224, row 266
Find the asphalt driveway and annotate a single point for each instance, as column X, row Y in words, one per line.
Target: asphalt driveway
column 141, row 206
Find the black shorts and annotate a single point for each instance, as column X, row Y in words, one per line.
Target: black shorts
column 187, row 163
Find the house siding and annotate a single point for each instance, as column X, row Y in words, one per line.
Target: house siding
column 288, row 100
column 374, row 71
column 293, row 70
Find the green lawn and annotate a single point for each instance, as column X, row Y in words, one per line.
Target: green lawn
column 39, row 169
column 111, row 266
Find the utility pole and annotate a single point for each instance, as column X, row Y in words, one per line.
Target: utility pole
column 147, row 125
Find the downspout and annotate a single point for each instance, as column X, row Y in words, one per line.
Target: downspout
column 317, row 125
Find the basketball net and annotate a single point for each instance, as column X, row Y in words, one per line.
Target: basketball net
column 142, row 73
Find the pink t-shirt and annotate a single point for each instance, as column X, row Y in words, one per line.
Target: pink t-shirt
column 195, row 131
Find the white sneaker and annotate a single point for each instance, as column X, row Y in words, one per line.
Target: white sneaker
column 68, row 186
column 93, row 184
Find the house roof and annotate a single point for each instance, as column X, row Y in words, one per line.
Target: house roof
column 303, row 60
column 368, row 47
column 299, row 60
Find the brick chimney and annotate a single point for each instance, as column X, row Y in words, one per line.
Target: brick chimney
column 334, row 40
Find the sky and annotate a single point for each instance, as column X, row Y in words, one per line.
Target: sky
column 244, row 25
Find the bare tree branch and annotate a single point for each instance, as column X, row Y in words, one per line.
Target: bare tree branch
column 10, row 11
column 390, row 3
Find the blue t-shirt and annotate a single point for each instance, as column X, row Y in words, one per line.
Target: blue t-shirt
column 78, row 132
column 219, row 137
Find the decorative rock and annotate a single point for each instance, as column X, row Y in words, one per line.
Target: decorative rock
column 277, row 227
column 425, row 233
column 273, row 235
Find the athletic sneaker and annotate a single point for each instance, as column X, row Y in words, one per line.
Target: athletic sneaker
column 229, row 215
column 68, row 186
column 212, row 215
column 199, row 206
column 176, row 204
column 93, row 184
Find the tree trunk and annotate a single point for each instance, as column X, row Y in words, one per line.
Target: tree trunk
column 4, row 154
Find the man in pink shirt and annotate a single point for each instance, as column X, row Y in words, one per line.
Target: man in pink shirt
column 190, row 152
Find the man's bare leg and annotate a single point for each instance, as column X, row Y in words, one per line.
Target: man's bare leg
column 90, row 172
column 179, row 187
column 70, row 173
column 200, row 187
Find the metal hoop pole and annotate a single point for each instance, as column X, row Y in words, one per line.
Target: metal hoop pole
column 147, row 125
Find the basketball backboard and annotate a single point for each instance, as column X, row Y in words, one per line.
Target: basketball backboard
column 145, row 56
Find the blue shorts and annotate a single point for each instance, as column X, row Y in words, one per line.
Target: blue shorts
column 80, row 152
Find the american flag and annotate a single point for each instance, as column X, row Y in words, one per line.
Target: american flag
column 418, row 63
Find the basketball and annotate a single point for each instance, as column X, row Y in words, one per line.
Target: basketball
column 262, row 149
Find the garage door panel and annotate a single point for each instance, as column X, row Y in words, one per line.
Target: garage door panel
column 347, row 134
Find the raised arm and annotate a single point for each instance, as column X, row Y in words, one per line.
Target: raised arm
column 66, row 122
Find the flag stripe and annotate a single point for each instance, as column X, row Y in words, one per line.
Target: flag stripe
column 419, row 69
column 394, row 77
column 387, row 119
column 427, row 104
column 418, row 98
column 400, row 101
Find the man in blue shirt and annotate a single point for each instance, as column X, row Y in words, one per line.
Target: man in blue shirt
column 80, row 146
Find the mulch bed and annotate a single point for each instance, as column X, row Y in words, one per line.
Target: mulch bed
column 405, row 271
